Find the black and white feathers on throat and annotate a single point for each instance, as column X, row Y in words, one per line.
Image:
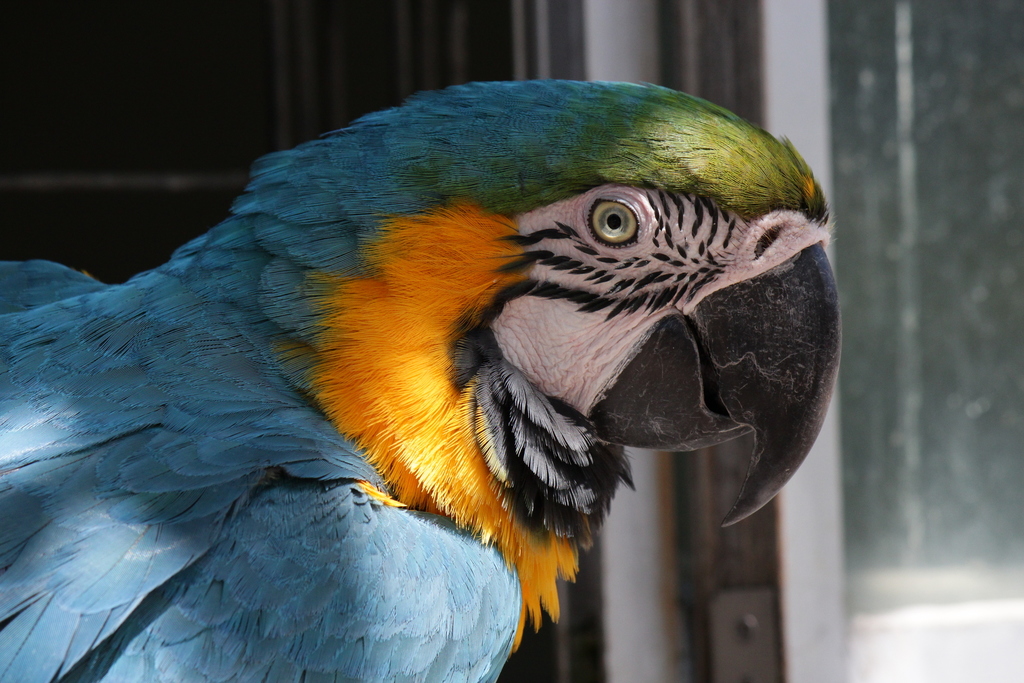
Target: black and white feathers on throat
column 556, row 474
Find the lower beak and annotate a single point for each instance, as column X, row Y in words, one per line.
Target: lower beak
column 761, row 355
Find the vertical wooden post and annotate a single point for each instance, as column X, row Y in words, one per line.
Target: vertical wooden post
column 712, row 49
column 740, row 557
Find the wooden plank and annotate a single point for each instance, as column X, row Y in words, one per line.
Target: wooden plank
column 712, row 49
column 745, row 555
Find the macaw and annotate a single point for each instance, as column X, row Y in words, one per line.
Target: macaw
column 357, row 430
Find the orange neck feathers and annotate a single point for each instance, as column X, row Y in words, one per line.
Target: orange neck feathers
column 385, row 378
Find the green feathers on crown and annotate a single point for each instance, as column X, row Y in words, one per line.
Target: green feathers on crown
column 525, row 144
column 514, row 146
column 685, row 144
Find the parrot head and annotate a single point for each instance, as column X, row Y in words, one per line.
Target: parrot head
column 513, row 281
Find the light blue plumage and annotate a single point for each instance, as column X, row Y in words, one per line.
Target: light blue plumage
column 143, row 532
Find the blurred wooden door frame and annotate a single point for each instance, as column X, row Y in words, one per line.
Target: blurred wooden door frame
column 713, row 49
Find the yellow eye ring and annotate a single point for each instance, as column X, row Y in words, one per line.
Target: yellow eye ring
column 613, row 222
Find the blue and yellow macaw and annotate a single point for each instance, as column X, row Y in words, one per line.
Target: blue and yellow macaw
column 357, row 430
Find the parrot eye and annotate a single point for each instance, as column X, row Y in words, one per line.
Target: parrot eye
column 613, row 222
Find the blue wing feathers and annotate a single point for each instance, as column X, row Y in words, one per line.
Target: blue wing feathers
column 154, row 528
column 284, row 592
column 27, row 284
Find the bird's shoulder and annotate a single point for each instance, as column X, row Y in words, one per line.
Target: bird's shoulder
column 27, row 284
column 324, row 579
column 140, row 427
column 304, row 579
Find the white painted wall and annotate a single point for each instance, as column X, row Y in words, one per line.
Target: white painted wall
column 811, row 529
column 796, row 83
column 621, row 40
column 640, row 626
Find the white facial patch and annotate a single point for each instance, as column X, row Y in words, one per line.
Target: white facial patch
column 592, row 300
column 567, row 354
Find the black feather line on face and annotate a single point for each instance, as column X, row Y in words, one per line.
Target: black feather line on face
column 597, row 304
column 698, row 218
column 637, row 302
column 662, row 299
column 728, row 234
column 539, row 236
column 646, row 280
column 654, row 207
column 566, row 230
column 557, row 475
column 680, row 215
column 714, row 224
column 621, row 306
column 619, row 286
column 524, row 260
column 697, row 285
column 555, row 260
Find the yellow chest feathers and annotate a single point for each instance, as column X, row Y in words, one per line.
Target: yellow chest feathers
column 385, row 377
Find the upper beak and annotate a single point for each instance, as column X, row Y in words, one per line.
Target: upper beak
column 759, row 355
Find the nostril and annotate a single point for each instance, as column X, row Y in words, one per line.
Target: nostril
column 766, row 240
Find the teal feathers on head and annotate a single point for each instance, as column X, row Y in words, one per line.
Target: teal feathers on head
column 514, row 146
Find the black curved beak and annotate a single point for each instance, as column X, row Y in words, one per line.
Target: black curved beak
column 759, row 355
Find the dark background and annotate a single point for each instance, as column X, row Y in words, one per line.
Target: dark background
column 128, row 127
